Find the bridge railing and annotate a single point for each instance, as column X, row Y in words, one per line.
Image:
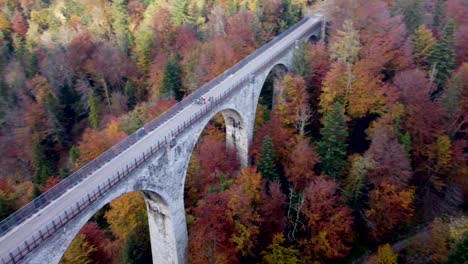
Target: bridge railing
column 22, row 250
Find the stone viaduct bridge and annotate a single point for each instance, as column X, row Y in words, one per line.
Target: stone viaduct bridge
column 153, row 160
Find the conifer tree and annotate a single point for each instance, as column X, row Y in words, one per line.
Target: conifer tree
column 120, row 23
column 182, row 14
column 332, row 147
column 130, row 92
column 172, row 81
column 412, row 13
column 93, row 109
column 443, row 55
column 301, row 61
column 266, row 161
column 438, row 14
column 138, row 247
column 459, row 253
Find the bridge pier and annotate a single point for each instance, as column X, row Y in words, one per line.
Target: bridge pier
column 168, row 232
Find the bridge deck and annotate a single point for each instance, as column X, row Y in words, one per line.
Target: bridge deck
column 23, row 232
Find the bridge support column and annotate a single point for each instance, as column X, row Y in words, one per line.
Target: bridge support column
column 168, row 230
column 236, row 136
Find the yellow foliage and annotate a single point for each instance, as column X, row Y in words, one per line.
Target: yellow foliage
column 458, row 227
column 4, row 23
column 444, row 153
column 79, row 251
column 439, row 240
column 385, row 255
column 126, row 213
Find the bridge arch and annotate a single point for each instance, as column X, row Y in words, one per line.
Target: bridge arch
column 160, row 222
column 236, row 130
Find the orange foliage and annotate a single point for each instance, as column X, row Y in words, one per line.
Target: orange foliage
column 95, row 142
column 390, row 206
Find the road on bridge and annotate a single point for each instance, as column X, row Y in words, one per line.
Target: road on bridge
column 25, row 230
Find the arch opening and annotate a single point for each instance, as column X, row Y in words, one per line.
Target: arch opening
column 314, row 39
column 217, row 156
column 269, row 93
column 130, row 228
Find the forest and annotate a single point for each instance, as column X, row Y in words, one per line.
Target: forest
column 359, row 153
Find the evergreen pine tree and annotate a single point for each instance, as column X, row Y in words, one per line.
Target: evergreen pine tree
column 93, row 109
column 120, row 24
column 42, row 164
column 459, row 253
column 172, row 81
column 138, row 246
column 412, row 12
column 438, row 14
column 443, row 56
column 332, row 147
column 130, row 92
column 182, row 14
column 266, row 161
column 301, row 61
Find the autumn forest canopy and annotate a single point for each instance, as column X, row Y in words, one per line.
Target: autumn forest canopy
column 359, row 150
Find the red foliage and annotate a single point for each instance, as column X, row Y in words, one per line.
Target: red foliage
column 299, row 168
column 98, row 238
column 214, row 156
column 391, row 162
column 424, row 121
column 51, row 182
column 19, row 25
column 330, row 222
column 5, row 186
column 272, row 209
column 282, row 138
column 210, row 236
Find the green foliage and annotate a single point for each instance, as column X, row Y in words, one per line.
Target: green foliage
column 93, row 109
column 357, row 180
column 132, row 121
column 73, row 8
column 18, row 45
column 181, row 14
column 332, row 147
column 279, row 254
column 302, row 64
column 459, row 253
column 172, row 81
column 438, row 14
column 45, row 157
column 405, row 140
column 74, row 153
column 130, row 92
column 412, row 11
column 7, row 205
column 138, row 246
column 266, row 161
column 45, row 19
column 443, row 56
column 120, row 22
